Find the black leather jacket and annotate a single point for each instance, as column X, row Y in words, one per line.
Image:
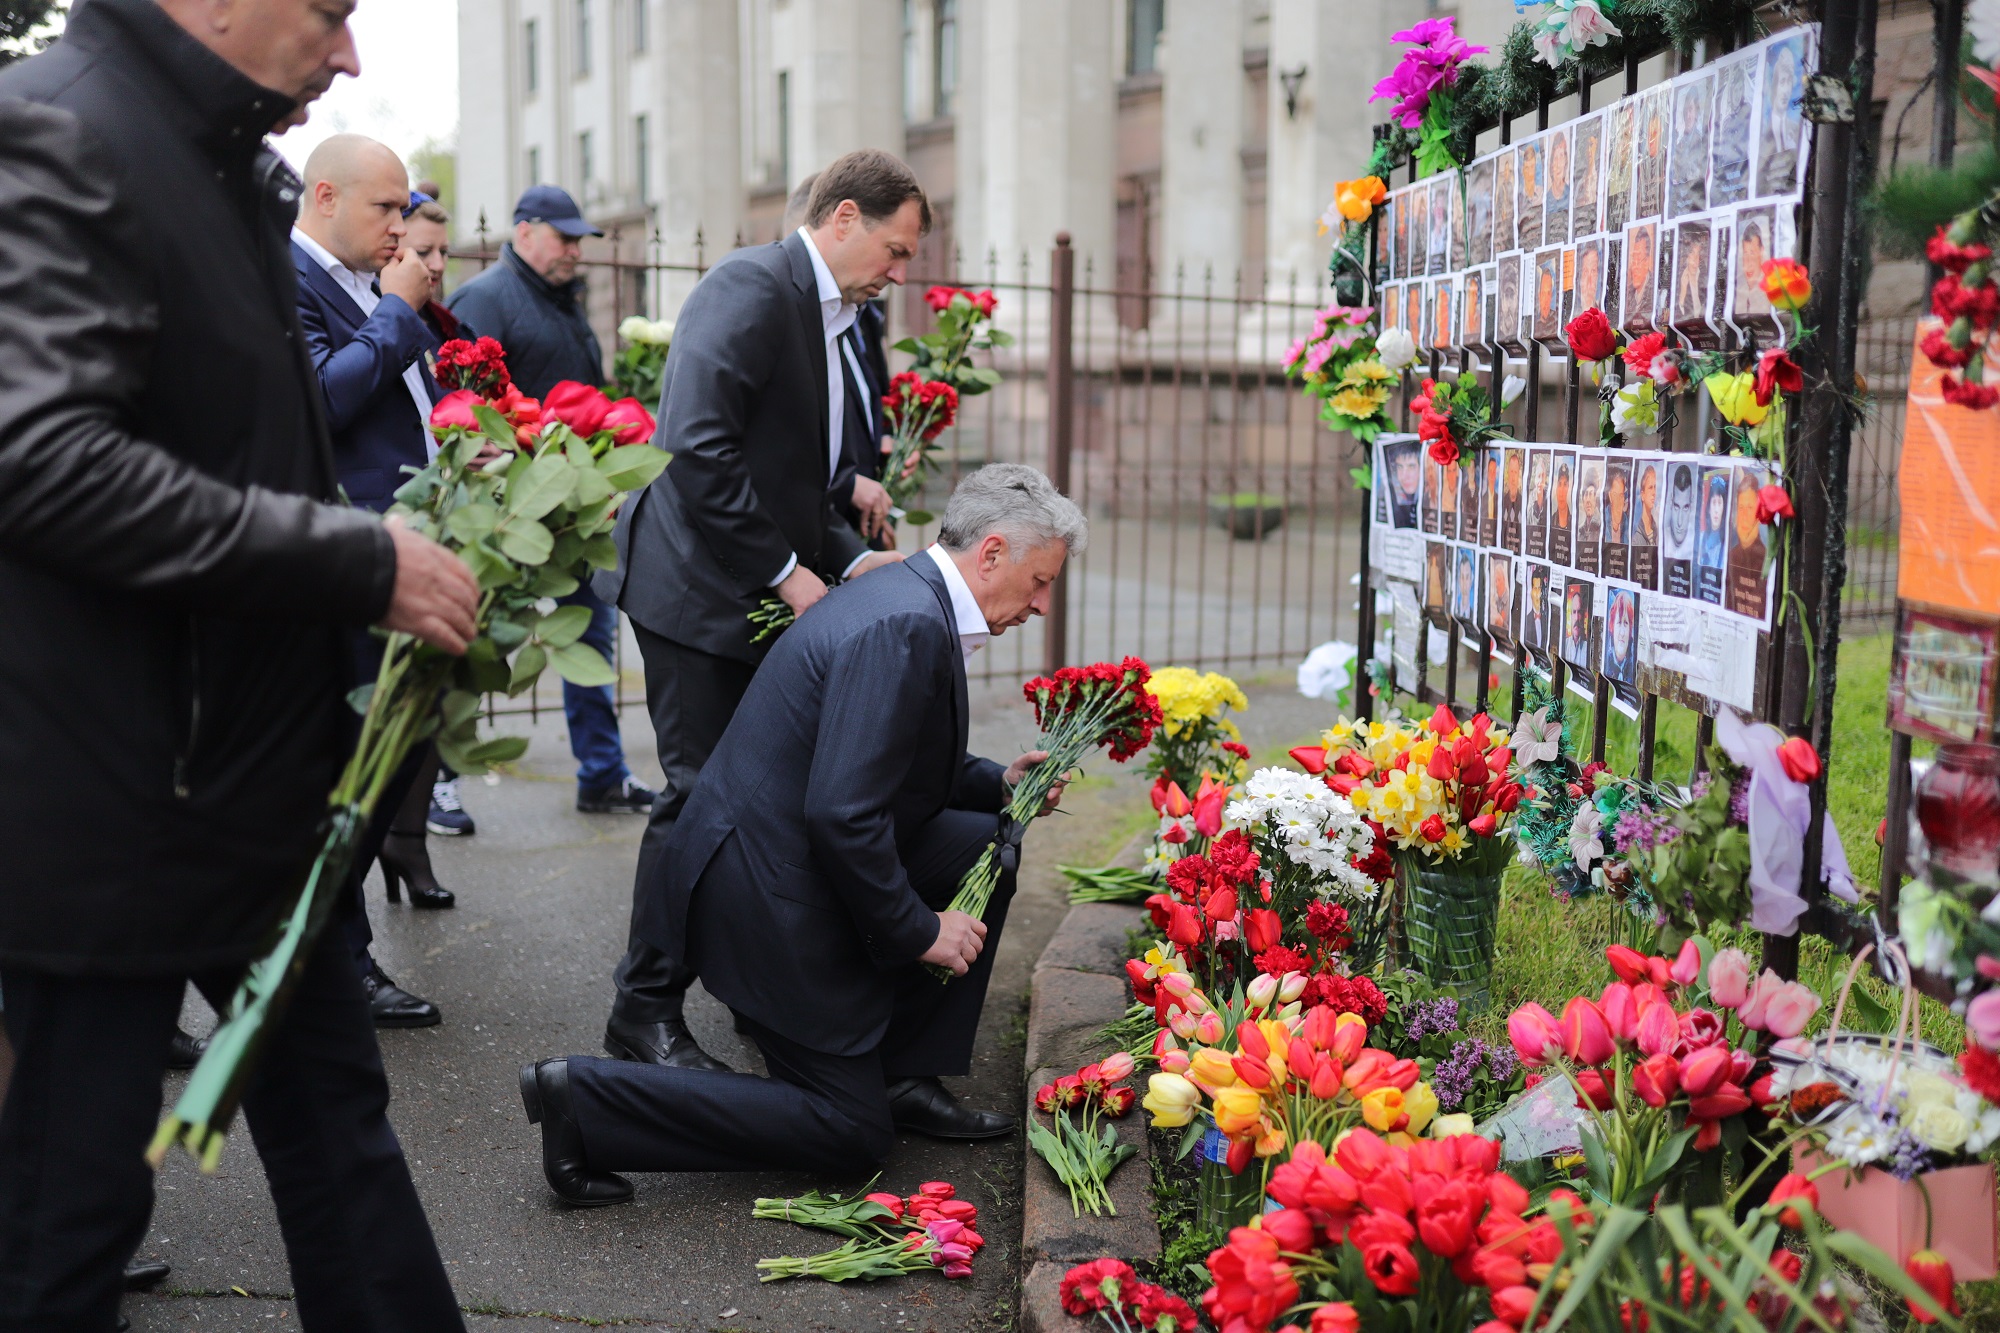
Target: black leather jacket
column 173, row 578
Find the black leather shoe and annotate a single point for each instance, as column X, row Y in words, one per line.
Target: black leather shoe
column 405, row 862
column 545, row 1092
column 394, row 1007
column 184, row 1052
column 927, row 1107
column 667, row 1042
column 629, row 796
column 145, row 1274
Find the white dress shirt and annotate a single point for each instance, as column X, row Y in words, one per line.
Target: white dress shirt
column 835, row 316
column 971, row 621
column 361, row 287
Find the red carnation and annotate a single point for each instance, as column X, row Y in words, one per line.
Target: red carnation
column 1965, row 393
column 1639, row 353
column 1954, row 258
column 1938, row 346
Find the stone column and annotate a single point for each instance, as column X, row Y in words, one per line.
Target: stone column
column 489, row 117
column 1201, row 172
column 702, row 186
column 852, row 93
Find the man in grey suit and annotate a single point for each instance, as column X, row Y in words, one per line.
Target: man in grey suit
column 752, row 410
column 810, row 875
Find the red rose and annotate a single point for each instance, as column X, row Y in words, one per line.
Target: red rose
column 1777, row 371
column 987, row 303
column 1442, row 451
column 939, row 298
column 454, row 411
column 1773, row 503
column 578, row 406
column 1590, row 336
column 630, row 421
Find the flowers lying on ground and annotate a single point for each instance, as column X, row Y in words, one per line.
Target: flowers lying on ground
column 1109, row 1289
column 888, row 1235
column 1083, row 1155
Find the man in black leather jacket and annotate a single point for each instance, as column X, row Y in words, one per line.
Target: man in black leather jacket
column 177, row 576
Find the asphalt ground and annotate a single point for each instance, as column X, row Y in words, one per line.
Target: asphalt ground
column 521, row 968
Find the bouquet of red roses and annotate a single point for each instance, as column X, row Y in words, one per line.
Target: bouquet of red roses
column 918, row 411
column 1081, row 709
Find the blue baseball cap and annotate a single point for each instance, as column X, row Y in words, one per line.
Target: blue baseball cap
column 552, row 204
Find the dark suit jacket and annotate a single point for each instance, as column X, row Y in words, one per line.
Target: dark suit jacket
column 861, row 434
column 376, row 429
column 784, row 874
column 743, row 412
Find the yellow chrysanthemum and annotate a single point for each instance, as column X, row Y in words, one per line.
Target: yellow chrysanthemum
column 1359, row 402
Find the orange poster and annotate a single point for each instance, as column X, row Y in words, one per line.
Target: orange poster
column 1949, row 554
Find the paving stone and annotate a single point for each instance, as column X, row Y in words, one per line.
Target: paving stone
column 1092, row 939
column 1050, row 1228
column 1065, row 1013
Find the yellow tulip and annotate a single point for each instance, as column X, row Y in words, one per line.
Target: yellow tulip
column 1420, row 1104
column 1210, row 1068
column 1735, row 396
column 1237, row 1110
column 1451, row 1126
column 1382, row 1109
column 1171, row 1099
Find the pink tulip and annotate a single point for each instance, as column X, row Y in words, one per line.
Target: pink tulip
column 1687, row 964
column 1175, row 1061
column 1659, row 1030
column 1533, row 1031
column 1987, row 966
column 1586, row 1036
column 1704, row 1070
column 1789, row 1008
column 1750, row 1013
column 1645, row 993
column 1208, row 1028
column 1729, row 978
column 1620, row 1011
column 1656, row 1079
column 1117, row 1065
column 1982, row 1019
column 1700, row 1028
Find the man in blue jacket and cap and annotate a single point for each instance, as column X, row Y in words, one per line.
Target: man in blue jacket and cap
column 533, row 302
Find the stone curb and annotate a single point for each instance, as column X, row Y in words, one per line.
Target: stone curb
column 1079, row 987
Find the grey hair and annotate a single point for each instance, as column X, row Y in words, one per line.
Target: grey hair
column 1017, row 502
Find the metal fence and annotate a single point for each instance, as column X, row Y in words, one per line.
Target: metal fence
column 1882, row 360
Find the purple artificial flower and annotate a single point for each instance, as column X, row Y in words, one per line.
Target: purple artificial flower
column 1424, row 68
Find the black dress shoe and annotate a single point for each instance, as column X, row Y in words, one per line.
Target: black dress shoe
column 392, row 1006
column 184, row 1052
column 545, row 1092
column 926, row 1106
column 667, row 1042
column 145, row 1274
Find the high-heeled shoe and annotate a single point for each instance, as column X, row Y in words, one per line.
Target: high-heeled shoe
column 397, row 871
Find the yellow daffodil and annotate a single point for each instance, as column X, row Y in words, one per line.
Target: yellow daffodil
column 1171, row 1099
column 1735, row 396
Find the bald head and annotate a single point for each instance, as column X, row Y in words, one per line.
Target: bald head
column 356, row 190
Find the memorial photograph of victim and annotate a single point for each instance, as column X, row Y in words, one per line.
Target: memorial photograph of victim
column 1712, row 536
column 1621, row 635
column 1589, row 275
column 1535, row 504
column 1528, row 205
column 1430, row 492
column 1500, row 595
column 1458, row 232
column 1616, row 561
column 1507, row 317
column 1649, row 177
column 1399, row 229
column 1513, row 461
column 1437, row 577
column 1577, row 595
column 1442, row 327
column 1465, row 585
column 1645, row 539
column 1402, row 460
column 1447, row 477
column 1747, row 589
column 1677, row 553
column 1556, row 188
column 1589, row 512
column 1729, row 149
column 1479, row 210
column 1587, row 171
column 1548, row 296
column 1781, row 121
column 1688, row 182
column 1562, row 509
column 1535, row 606
column 1379, row 490
column 1637, row 310
column 1472, row 309
column 1469, row 468
column 1720, row 253
column 1624, row 120
column 1504, row 174
column 1691, row 276
column 1440, row 234
column 1749, row 308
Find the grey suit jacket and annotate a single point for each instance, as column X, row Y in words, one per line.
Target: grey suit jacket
column 743, row 410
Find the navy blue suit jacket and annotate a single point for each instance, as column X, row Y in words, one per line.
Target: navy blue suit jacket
column 785, row 871
column 377, row 432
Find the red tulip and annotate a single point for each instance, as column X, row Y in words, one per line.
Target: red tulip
column 1514, row 1304
column 1391, row 1267
column 1656, row 1079
column 1704, row 1070
column 1221, row 905
column 1687, row 964
column 1507, row 797
column 1184, row 926
column 1792, row 1186
column 1484, row 825
column 1312, row 758
column 1586, row 1036
column 1292, row 1228
column 1800, row 760
column 1443, row 721
column 1208, row 803
column 1620, row 1013
column 1592, row 1090
column 1629, row 964
column 1931, row 1271
column 1262, row 929
column 1174, row 802
column 1725, row 1101
column 1433, row 829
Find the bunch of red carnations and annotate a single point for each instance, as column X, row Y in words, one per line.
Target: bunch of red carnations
column 1082, row 709
column 940, row 297
column 1079, row 1147
column 888, row 1235
column 1419, row 1238
column 1968, row 302
column 1109, row 1289
column 479, row 365
column 917, row 410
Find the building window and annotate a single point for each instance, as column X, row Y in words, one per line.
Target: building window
column 944, row 59
column 531, row 49
column 642, row 144
column 582, row 38
column 639, row 25
column 1144, row 19
column 586, row 162
column 785, row 126
column 534, row 166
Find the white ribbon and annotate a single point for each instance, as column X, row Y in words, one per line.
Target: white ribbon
column 1780, row 811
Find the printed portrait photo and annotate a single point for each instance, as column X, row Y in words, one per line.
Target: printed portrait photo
column 1465, row 585
column 1472, row 309
column 1562, row 509
column 1729, row 149
column 1415, row 309
column 1616, row 561
column 1431, row 487
column 1713, row 534
column 1507, row 320
column 1589, row 275
column 1589, row 512
column 1447, row 479
column 1678, row 552
column 1504, row 176
column 1469, row 468
column 1535, row 612
column 1399, row 229
column 1636, row 313
column 1440, row 227
column 1577, row 595
column 1535, row 504
column 1437, row 578
column 1442, row 327
column 1403, row 462
column 1548, row 319
column 1647, row 494
column 1691, row 275
column 1556, row 189
column 1624, row 128
column 1720, row 253
column 1379, row 489
column 1513, row 500
column 1479, row 210
column 1781, row 123
column 1528, row 204
column 1621, row 635
column 1587, row 171
column 1688, row 183
column 1746, row 588
column 1489, row 497
column 1649, row 177
column 1458, row 235
column 1500, row 595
